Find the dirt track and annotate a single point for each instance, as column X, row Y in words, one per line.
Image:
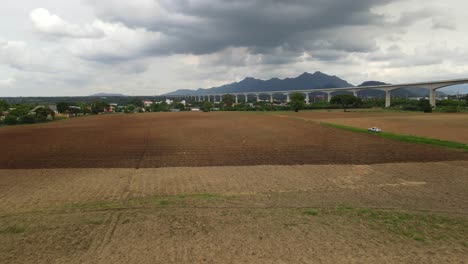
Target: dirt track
column 199, row 139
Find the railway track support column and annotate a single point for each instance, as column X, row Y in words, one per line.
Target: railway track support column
column 237, row 98
column 388, row 98
column 271, row 98
column 329, row 97
column 432, row 97
column 307, row 99
column 288, row 99
column 246, row 98
column 258, row 98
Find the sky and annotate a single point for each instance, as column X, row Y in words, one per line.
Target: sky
column 150, row 47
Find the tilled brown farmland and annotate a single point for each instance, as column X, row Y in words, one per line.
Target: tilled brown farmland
column 199, row 139
column 226, row 188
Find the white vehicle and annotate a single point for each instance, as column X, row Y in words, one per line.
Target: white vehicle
column 374, row 129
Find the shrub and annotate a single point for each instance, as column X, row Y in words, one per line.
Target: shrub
column 11, row 120
column 448, row 109
column 207, row 107
column 425, row 106
column 297, row 101
column 27, row 119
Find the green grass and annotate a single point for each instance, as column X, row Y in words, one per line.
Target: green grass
column 12, row 230
column 419, row 227
column 91, row 206
column 94, row 222
column 163, row 202
column 176, row 199
column 311, row 212
column 149, row 200
column 404, row 138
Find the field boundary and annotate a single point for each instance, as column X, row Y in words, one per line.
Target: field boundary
column 403, row 138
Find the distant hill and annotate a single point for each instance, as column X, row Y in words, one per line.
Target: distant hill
column 107, row 95
column 304, row 81
column 402, row 93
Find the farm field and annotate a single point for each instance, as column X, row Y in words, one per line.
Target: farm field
column 452, row 127
column 199, row 139
column 226, row 188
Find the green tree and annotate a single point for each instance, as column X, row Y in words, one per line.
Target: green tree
column 43, row 113
column 98, row 107
column 228, row 100
column 345, row 100
column 27, row 119
column 4, row 106
column 425, row 106
column 21, row 110
column 11, row 120
column 62, row 107
column 76, row 110
column 179, row 106
column 161, row 107
column 137, row 102
column 297, row 101
column 207, row 106
column 130, row 108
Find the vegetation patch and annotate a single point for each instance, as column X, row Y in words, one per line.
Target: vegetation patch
column 93, row 205
column 15, row 229
column 420, row 227
column 311, row 212
column 176, row 199
column 404, row 138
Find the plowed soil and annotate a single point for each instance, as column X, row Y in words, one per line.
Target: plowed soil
column 199, row 139
column 452, row 126
column 392, row 213
column 226, row 188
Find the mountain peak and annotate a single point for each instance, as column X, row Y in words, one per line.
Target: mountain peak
column 249, row 84
column 372, row 83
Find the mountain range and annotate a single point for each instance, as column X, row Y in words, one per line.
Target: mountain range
column 304, row 81
column 107, row 95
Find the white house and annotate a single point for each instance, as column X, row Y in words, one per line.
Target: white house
column 147, row 103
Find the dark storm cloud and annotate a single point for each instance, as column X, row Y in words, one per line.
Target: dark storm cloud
column 262, row 26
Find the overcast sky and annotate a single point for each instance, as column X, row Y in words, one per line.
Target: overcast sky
column 147, row 47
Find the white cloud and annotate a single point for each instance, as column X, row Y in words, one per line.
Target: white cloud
column 51, row 24
column 118, row 43
column 7, row 82
column 443, row 23
column 21, row 56
column 144, row 46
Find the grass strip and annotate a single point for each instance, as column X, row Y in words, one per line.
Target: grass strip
column 404, row 138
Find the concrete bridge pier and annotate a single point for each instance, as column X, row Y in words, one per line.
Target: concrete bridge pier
column 388, row 98
column 271, row 98
column 258, row 98
column 329, row 96
column 246, row 98
column 432, row 97
column 237, row 98
column 307, row 99
column 288, row 99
